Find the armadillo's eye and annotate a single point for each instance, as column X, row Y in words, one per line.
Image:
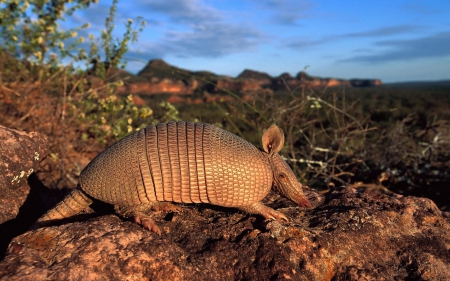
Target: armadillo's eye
column 281, row 176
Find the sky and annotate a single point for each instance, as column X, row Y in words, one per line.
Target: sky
column 402, row 40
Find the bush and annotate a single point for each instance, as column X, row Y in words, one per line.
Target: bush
column 76, row 103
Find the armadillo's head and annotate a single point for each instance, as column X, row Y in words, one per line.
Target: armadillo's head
column 284, row 179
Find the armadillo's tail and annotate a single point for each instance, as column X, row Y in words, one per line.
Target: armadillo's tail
column 72, row 204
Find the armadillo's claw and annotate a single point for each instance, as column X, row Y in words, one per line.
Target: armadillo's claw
column 136, row 213
column 148, row 223
column 281, row 216
column 263, row 210
column 275, row 215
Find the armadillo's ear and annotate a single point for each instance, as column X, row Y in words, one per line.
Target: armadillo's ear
column 273, row 139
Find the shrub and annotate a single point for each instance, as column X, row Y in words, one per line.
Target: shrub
column 53, row 85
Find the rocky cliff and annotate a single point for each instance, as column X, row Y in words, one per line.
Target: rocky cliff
column 158, row 77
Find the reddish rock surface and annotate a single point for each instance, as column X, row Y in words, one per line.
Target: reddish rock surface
column 350, row 234
column 20, row 154
column 158, row 87
column 354, row 235
column 178, row 99
column 137, row 100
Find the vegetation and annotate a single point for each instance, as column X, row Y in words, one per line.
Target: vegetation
column 59, row 83
column 390, row 138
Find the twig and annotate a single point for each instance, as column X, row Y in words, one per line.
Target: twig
column 335, row 108
column 25, row 116
column 320, row 163
column 11, row 91
column 371, row 186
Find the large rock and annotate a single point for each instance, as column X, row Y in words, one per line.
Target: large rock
column 20, row 154
column 354, row 235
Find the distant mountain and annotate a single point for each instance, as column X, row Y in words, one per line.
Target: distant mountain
column 252, row 74
column 158, row 77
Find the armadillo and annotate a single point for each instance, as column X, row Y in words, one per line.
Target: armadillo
column 183, row 162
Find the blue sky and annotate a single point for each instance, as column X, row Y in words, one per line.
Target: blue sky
column 402, row 40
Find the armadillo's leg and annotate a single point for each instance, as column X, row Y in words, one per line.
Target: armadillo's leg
column 71, row 205
column 261, row 209
column 139, row 216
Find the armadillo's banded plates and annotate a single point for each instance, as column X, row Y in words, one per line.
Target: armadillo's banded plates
column 180, row 162
column 114, row 176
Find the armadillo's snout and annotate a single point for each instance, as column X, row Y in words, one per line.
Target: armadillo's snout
column 301, row 200
column 293, row 190
column 287, row 183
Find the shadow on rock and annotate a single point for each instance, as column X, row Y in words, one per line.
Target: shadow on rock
column 29, row 212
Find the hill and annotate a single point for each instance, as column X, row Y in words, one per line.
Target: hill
column 158, row 77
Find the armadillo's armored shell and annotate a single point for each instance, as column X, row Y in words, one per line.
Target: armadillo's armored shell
column 179, row 162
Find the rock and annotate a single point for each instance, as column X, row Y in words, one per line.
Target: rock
column 158, row 86
column 137, row 100
column 237, row 85
column 353, row 235
column 302, row 79
column 20, row 154
column 177, row 99
column 331, row 82
column 158, row 77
